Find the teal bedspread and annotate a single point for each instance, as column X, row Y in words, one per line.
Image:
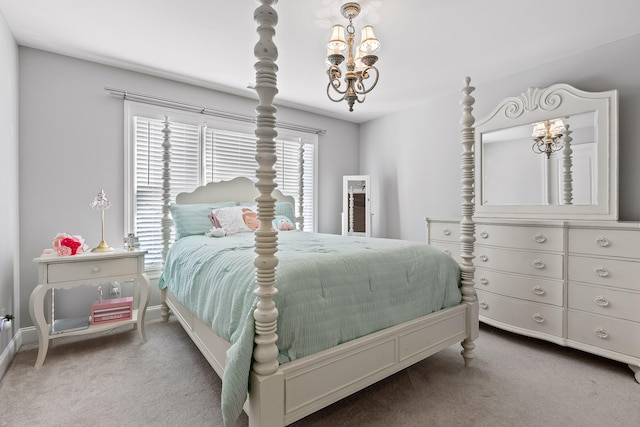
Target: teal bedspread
column 331, row 289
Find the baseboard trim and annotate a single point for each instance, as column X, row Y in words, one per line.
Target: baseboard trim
column 10, row 352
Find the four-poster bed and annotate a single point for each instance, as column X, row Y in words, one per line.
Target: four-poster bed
column 283, row 391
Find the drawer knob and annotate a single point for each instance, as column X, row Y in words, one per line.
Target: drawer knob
column 484, row 258
column 447, row 251
column 446, row 232
column 484, row 280
column 538, row 290
column 602, row 272
column 95, row 269
column 538, row 318
column 603, row 242
column 538, row 264
column 539, row 238
column 484, row 305
column 484, row 235
column 602, row 301
column 601, row 333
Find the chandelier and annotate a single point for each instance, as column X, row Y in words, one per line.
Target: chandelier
column 547, row 136
column 358, row 67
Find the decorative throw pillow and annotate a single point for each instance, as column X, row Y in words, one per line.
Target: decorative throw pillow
column 283, row 223
column 234, row 219
column 286, row 209
column 192, row 219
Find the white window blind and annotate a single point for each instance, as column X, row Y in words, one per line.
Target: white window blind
column 202, row 153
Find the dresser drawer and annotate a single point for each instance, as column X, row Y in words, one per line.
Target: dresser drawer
column 523, row 262
column 605, row 301
column 453, row 249
column 523, row 314
column 605, row 332
column 535, row 238
column 603, row 271
column 91, row 269
column 618, row 243
column 534, row 289
column 444, row 231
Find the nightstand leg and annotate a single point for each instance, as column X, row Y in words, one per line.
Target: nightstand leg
column 36, row 310
column 143, row 282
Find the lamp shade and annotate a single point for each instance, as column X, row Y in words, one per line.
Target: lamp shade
column 337, row 42
column 369, row 43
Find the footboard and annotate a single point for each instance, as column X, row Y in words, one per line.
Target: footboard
column 318, row 380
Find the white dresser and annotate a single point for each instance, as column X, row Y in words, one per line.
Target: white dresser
column 573, row 283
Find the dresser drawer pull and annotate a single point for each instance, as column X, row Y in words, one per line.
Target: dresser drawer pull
column 484, row 280
column 602, row 301
column 484, row 305
column 484, row 235
column 539, row 318
column 446, row 232
column 538, row 264
column 95, row 269
column 539, row 238
column 484, row 258
column 447, row 251
column 602, row 272
column 601, row 333
column 603, row 242
column 538, row 290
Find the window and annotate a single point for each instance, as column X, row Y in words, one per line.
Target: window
column 203, row 149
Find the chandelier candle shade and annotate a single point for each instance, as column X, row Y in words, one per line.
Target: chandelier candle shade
column 101, row 203
column 547, row 136
column 360, row 64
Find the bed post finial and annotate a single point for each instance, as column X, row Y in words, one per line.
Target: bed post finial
column 467, row 226
column 265, row 352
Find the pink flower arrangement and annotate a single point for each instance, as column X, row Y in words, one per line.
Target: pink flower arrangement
column 66, row 244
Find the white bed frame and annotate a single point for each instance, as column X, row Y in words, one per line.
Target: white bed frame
column 283, row 394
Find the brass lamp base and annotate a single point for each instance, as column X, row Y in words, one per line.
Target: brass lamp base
column 102, row 247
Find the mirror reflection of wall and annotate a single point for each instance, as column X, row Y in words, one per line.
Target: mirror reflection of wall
column 356, row 206
column 515, row 174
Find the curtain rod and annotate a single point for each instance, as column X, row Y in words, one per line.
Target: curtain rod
column 162, row 102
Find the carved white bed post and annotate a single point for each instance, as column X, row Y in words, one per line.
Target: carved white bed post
column 467, row 226
column 300, row 217
column 166, row 202
column 567, row 175
column 266, row 405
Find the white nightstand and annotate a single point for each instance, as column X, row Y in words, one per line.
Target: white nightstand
column 91, row 268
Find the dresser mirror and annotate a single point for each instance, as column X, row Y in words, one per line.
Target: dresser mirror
column 549, row 154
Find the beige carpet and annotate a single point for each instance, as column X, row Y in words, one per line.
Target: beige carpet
column 113, row 380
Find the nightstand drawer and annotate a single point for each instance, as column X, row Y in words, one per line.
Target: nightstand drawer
column 91, row 269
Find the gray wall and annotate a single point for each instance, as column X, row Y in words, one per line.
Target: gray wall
column 413, row 155
column 71, row 146
column 9, row 243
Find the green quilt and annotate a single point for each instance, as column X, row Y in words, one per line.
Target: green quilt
column 331, row 289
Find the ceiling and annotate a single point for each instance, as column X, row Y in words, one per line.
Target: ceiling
column 428, row 46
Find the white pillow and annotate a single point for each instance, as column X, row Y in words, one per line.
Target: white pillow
column 235, row 219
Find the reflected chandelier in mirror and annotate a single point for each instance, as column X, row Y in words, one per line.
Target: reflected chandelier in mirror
column 577, row 175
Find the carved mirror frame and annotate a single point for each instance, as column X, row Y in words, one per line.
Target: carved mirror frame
column 540, row 104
